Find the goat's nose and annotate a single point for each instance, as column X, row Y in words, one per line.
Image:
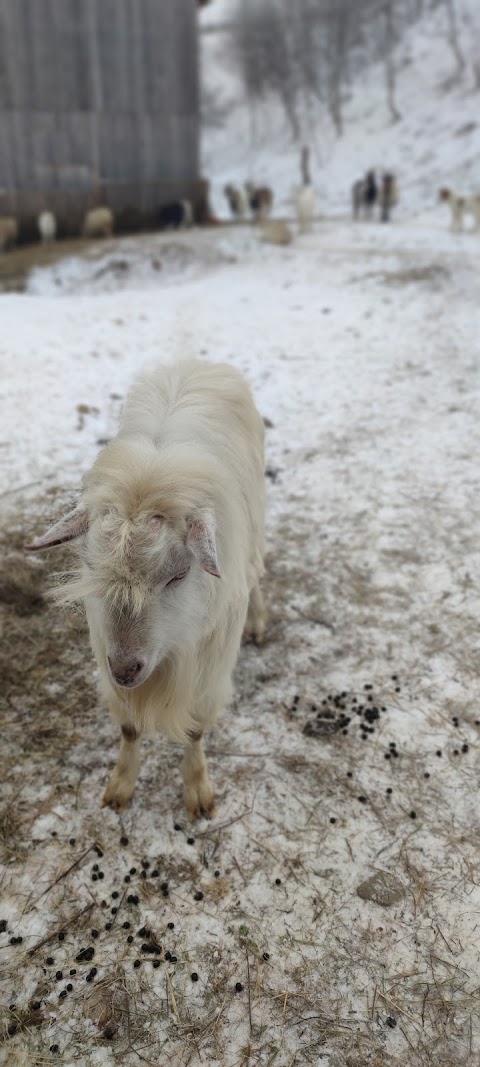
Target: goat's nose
column 125, row 672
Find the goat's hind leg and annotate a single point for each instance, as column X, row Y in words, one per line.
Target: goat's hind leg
column 254, row 629
column 124, row 776
column 197, row 787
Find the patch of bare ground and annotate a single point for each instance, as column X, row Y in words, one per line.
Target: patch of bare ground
column 244, row 940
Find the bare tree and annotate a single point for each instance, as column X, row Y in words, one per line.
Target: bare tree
column 389, row 60
column 453, row 36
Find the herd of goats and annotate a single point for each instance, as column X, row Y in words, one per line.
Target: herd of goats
column 255, row 202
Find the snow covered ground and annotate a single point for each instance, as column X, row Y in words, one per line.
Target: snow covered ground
column 353, row 746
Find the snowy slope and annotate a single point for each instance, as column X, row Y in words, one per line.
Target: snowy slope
column 437, row 141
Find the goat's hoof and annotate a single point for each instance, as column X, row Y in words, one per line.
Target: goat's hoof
column 117, row 794
column 200, row 801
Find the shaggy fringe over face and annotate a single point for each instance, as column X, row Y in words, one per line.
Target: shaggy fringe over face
column 138, row 504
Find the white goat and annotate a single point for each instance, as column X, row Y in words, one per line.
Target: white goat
column 98, row 222
column 47, row 226
column 305, row 195
column 461, row 206
column 8, row 232
column 170, row 535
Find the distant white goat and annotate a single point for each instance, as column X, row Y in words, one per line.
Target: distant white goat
column 8, row 232
column 170, row 535
column 305, row 196
column 47, row 226
column 461, row 206
column 237, row 200
column 98, row 222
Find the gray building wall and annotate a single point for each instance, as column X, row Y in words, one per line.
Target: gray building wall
column 99, row 103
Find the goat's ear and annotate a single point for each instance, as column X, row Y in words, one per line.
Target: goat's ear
column 72, row 526
column 201, row 540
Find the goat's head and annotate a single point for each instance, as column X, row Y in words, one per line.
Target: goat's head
column 144, row 579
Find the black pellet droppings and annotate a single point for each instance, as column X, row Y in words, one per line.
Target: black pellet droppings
column 198, row 895
column 61, row 936
column 50, row 960
column 238, row 987
column 98, row 851
column 129, row 939
column 132, row 899
column 108, row 1033
column 95, row 867
column 143, row 874
column 114, row 911
column 73, row 970
column 36, row 1005
column 332, row 819
column 94, row 933
column 173, row 959
column 71, row 841
column 363, row 800
column 438, row 752
column 171, row 926
column 53, row 1048
column 149, row 946
column 177, row 826
column 155, row 963
column 426, row 775
column 194, row 976
column 69, row 987
column 137, row 963
column 115, row 894
column 103, row 904
column 143, row 932
column 133, row 870
column 155, row 873
column 413, row 815
column 266, row 955
column 62, row 994
column 190, row 840
column 108, row 926
column 387, row 755
column 397, row 689
column 349, row 774
column 54, row 833
column 124, row 839
column 3, row 925
column 126, row 925
column 127, row 878
column 455, row 720
column 391, row 1021
column 94, row 877
column 101, row 875
column 465, row 747
column 394, row 753
column 456, row 752
column 145, row 864
column 168, row 954
column 59, row 975
column 389, row 790
column 216, row 874
column 368, row 687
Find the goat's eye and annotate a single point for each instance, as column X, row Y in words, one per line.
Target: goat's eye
column 178, row 577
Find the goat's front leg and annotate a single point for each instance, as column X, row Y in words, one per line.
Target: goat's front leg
column 122, row 781
column 197, row 787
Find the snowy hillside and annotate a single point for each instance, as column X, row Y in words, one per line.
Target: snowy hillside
column 436, row 142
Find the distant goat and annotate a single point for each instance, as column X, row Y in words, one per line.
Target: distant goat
column 47, row 226
column 98, row 222
column 461, row 206
column 176, row 215
column 8, row 232
column 364, row 195
column 388, row 195
column 260, row 200
column 305, row 195
column 169, row 533
column 237, row 200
